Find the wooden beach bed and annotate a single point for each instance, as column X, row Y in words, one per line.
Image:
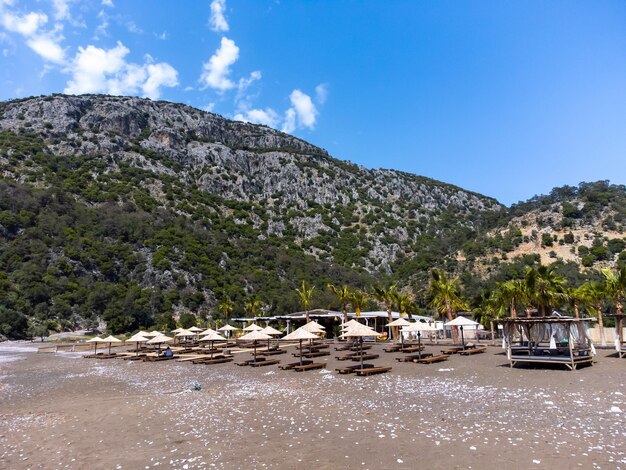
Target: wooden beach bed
column 430, row 359
column 372, row 371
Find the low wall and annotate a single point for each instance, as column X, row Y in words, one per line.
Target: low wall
column 609, row 334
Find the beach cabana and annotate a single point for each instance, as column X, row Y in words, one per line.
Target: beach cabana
column 549, row 340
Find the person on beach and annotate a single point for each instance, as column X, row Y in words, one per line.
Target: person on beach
column 168, row 352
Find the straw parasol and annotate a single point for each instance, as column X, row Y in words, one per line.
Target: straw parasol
column 227, row 329
column 418, row 327
column 252, row 327
column 137, row 338
column 255, row 336
column 461, row 322
column 195, row 329
column 95, row 340
column 268, row 330
column 111, row 339
column 300, row 334
column 212, row 337
column 360, row 332
column 158, row 340
column 208, row 331
column 352, row 322
column 313, row 327
column 177, row 330
column 399, row 322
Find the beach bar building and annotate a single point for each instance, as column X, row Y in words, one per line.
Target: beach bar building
column 549, row 340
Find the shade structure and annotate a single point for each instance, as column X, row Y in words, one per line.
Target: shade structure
column 252, row 327
column 461, row 322
column 111, row 339
column 360, row 332
column 150, row 334
column 184, row 333
column 268, row 330
column 158, row 340
column 399, row 322
column 195, row 329
column 137, row 338
column 313, row 327
column 178, row 330
column 350, row 323
column 419, row 327
column 95, row 340
column 227, row 328
column 299, row 335
column 255, row 336
column 208, row 331
column 212, row 337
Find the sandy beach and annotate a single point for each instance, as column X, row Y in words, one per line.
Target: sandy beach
column 63, row 411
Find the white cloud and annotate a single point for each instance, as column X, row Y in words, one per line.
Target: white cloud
column 61, row 9
column 96, row 70
column 265, row 116
column 26, row 25
column 321, row 93
column 305, row 110
column 218, row 20
column 289, row 125
column 108, row 3
column 209, row 107
column 215, row 72
column 47, row 47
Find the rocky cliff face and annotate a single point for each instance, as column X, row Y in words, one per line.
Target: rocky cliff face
column 278, row 185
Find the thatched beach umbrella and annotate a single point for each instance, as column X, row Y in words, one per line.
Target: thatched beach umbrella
column 177, row 330
column 299, row 335
column 419, row 327
column 461, row 322
column 212, row 337
column 255, row 336
column 95, row 340
column 184, row 334
column 206, row 332
column 350, row 323
column 268, row 330
column 252, row 327
column 111, row 339
column 195, row 329
column 360, row 332
column 228, row 329
column 399, row 322
column 137, row 338
column 158, row 340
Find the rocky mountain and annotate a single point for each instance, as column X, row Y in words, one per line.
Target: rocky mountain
column 127, row 209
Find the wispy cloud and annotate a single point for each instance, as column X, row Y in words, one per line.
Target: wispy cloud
column 218, row 20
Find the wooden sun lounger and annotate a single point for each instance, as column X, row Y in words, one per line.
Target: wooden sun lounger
column 350, row 369
column 372, row 371
column 431, row 359
column 216, row 360
column 313, row 354
column 346, row 357
column 313, row 366
column 366, row 357
column 412, row 357
column 391, row 349
column 134, row 358
column 157, row 358
column 470, row 351
column 345, row 347
column 453, row 350
column 411, row 349
column 250, row 361
column 264, row 363
column 272, row 352
column 293, row 364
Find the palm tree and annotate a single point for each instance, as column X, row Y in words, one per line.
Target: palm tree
column 508, row 294
column 305, row 294
column 615, row 285
column 343, row 296
column 404, row 304
column 545, row 288
column 253, row 305
column 358, row 299
column 445, row 297
column 595, row 293
column 226, row 307
column 489, row 310
column 386, row 296
column 576, row 297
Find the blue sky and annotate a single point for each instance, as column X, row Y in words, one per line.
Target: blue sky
column 508, row 99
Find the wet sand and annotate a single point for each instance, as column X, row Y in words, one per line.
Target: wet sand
column 63, row 411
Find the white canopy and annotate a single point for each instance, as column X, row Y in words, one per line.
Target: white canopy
column 462, row 321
